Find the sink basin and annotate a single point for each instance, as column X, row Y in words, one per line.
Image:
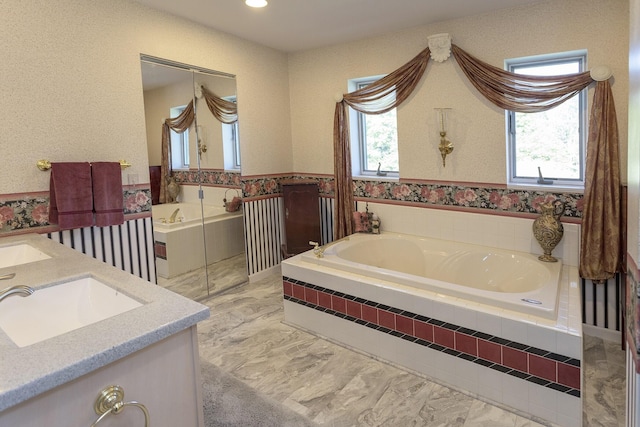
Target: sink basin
column 52, row 311
column 21, row 253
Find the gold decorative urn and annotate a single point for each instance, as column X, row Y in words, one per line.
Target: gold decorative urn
column 548, row 230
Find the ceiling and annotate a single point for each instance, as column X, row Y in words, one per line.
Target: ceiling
column 293, row 25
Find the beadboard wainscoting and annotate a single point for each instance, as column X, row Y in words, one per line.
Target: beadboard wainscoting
column 601, row 304
column 263, row 228
column 128, row 247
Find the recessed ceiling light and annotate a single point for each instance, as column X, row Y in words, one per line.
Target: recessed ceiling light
column 256, row 3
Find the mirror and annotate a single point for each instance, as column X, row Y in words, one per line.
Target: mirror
column 200, row 245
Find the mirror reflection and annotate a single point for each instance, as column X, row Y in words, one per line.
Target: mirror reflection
column 195, row 183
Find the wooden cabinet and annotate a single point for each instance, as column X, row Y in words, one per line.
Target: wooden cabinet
column 301, row 216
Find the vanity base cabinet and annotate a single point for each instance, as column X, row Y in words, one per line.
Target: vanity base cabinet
column 165, row 377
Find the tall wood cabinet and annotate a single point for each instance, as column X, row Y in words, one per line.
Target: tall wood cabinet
column 301, row 216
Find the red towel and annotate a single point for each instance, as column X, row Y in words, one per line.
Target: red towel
column 107, row 193
column 70, row 195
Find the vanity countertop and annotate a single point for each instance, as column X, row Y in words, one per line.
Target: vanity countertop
column 29, row 371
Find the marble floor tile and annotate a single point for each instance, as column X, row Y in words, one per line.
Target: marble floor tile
column 524, row 422
column 331, row 385
column 484, row 415
column 222, row 275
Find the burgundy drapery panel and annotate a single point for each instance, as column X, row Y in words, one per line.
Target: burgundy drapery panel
column 519, row 93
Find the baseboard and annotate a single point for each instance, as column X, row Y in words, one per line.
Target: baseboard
column 605, row 334
column 264, row 273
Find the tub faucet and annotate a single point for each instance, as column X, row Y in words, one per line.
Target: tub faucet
column 317, row 250
column 172, row 218
column 23, row 291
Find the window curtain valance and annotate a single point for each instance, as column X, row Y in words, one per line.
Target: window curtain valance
column 600, row 253
column 377, row 98
column 224, row 111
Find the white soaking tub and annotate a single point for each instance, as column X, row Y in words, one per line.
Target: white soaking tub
column 499, row 324
column 506, row 279
column 179, row 245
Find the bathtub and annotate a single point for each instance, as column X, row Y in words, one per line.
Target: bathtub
column 498, row 324
column 188, row 214
column 179, row 246
column 512, row 280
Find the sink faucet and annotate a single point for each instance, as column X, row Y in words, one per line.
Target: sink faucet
column 23, row 291
column 172, row 218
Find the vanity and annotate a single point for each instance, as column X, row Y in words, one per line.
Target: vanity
column 95, row 346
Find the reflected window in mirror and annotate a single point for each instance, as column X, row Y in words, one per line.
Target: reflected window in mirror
column 179, row 143
column 231, row 142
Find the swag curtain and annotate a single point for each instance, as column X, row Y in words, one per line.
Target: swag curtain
column 223, row 110
column 600, row 253
column 377, row 98
column 178, row 124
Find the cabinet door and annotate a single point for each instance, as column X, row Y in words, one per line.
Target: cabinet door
column 165, row 377
column 302, row 216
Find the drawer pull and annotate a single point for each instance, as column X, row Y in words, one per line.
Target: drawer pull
column 110, row 401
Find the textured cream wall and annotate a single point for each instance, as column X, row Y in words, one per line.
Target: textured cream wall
column 70, row 86
column 477, row 127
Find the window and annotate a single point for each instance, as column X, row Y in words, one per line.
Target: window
column 374, row 139
column 231, row 142
column 179, row 143
column 548, row 148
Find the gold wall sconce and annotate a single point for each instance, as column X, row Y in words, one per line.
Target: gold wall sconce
column 445, row 146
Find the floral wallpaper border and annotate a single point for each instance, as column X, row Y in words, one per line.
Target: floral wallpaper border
column 459, row 195
column 208, row 177
column 21, row 213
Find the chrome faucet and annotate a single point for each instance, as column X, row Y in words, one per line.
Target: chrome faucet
column 23, row 291
column 318, row 251
column 172, row 218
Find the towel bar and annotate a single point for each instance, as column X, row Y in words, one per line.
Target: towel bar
column 45, row 165
column 110, row 401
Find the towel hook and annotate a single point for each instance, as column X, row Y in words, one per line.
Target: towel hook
column 110, row 401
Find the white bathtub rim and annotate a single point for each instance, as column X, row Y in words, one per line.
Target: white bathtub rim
column 371, row 289
column 548, row 296
column 220, row 215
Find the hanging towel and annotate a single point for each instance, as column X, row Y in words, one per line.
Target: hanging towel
column 107, row 193
column 70, row 195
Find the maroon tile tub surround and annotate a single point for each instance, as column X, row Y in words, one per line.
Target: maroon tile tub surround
column 545, row 368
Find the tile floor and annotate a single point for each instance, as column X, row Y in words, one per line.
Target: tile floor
column 223, row 275
column 334, row 386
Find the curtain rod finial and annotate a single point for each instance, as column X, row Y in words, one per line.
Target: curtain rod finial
column 601, row 73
